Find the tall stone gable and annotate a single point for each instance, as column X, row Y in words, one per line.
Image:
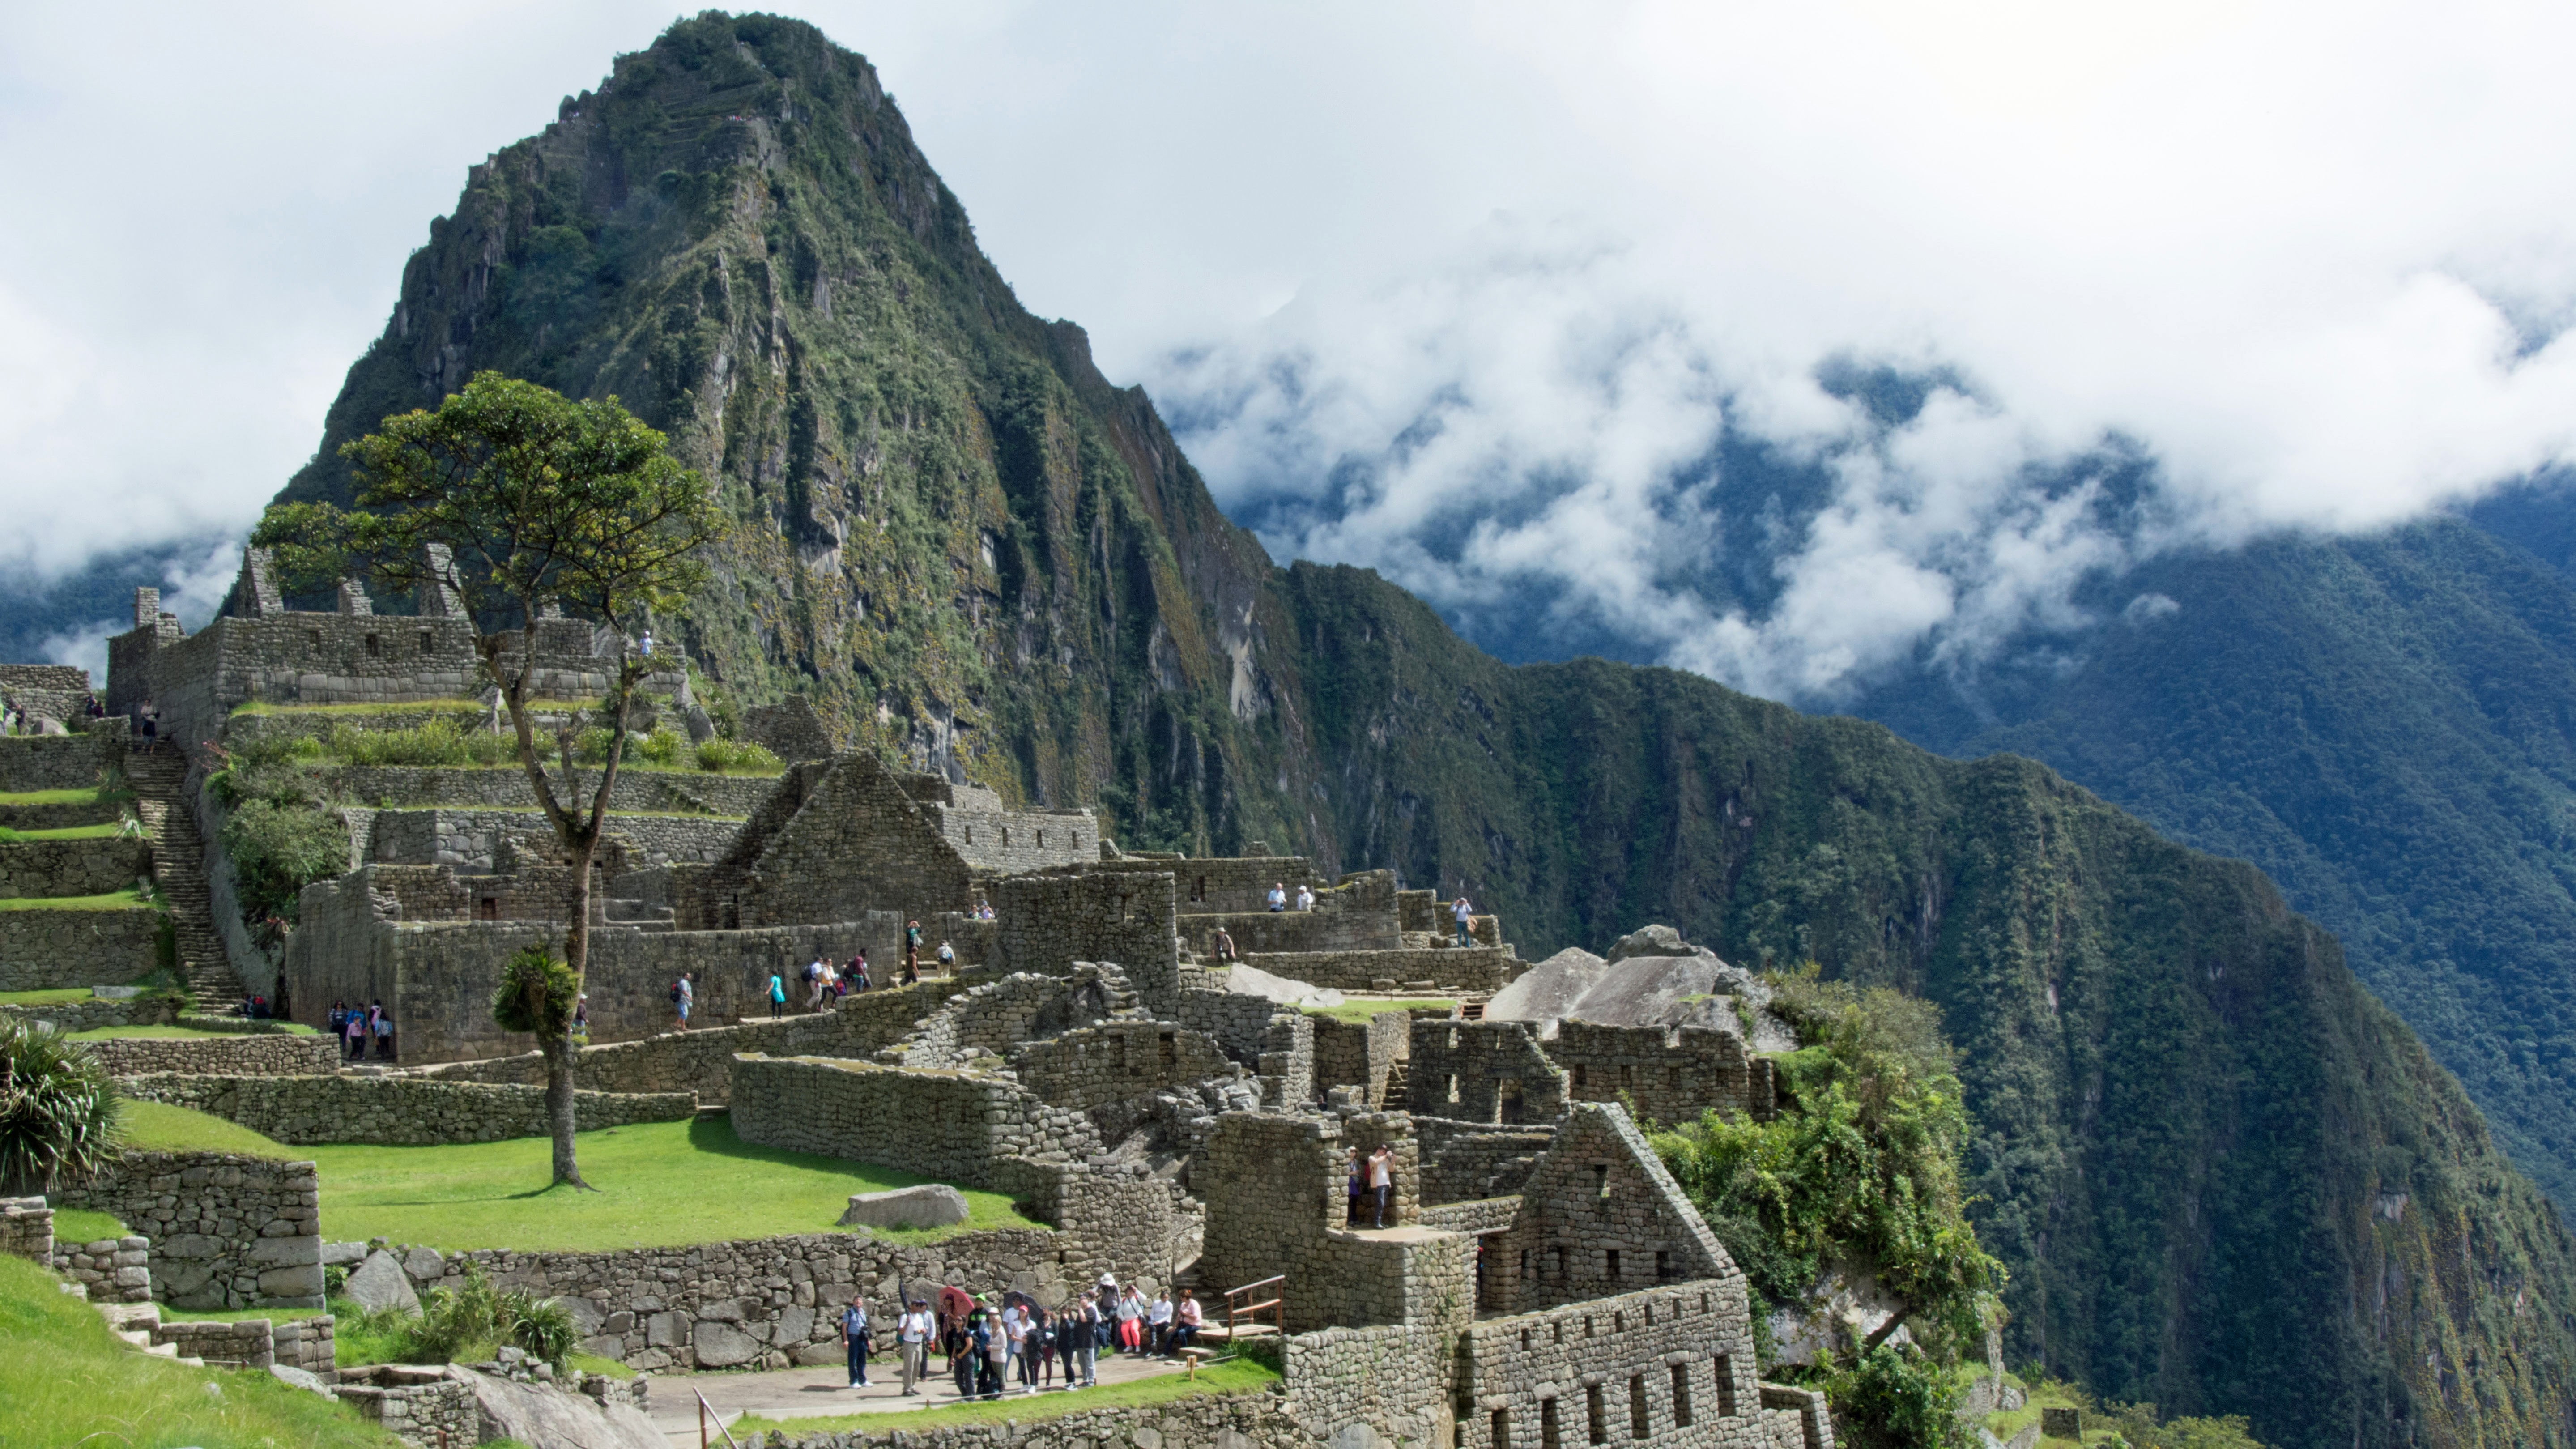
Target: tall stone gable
column 1601, row 1216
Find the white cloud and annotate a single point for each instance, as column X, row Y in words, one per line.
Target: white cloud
column 1468, row 293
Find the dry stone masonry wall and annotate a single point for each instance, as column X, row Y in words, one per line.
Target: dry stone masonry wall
column 395, row 1111
column 947, row 1125
column 58, row 762
column 38, row 868
column 1668, row 1366
column 49, row 950
column 264, row 1055
column 227, row 1231
column 1664, row 1076
column 1482, row 1071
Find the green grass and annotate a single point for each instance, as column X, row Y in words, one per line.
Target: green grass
column 128, row 899
column 661, row 1184
column 103, row 830
column 54, row 997
column 65, row 1381
column 81, row 1225
column 83, row 795
column 1234, row 1376
column 1361, row 1011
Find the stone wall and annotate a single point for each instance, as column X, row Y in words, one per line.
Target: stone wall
column 1116, row 1061
column 437, row 977
column 1601, row 1216
column 1287, row 1062
column 424, row 1405
column 854, row 842
column 1361, row 1053
column 1672, row 1365
column 1393, row 1378
column 997, row 1018
column 1121, row 1220
column 1482, row 1071
column 1254, row 1420
column 47, row 691
column 96, row 1012
column 946, row 1125
column 38, row 868
column 1459, row 970
column 472, row 838
column 1239, row 1025
column 110, row 1270
column 505, row 787
column 60, row 817
column 1480, row 1215
column 1274, row 1186
column 254, row 1342
column 763, row 1302
column 701, row 1060
column 1049, row 921
column 58, row 762
column 1218, row 885
column 1462, row 1161
column 27, row 1229
column 227, row 1231
column 47, row 950
column 993, row 841
column 1664, row 1076
column 395, row 1111
column 266, row 1055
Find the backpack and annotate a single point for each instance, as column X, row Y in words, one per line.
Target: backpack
column 675, row 993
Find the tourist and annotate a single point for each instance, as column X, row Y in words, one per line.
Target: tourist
column 911, row 971
column 854, row 1333
column 1087, row 1331
column 375, row 1020
column 1279, row 895
column 1462, row 911
column 645, row 644
column 339, row 1016
column 992, row 1358
column 355, row 1029
column 581, row 1018
column 1224, row 945
column 912, row 1341
column 384, row 1036
column 966, row 1354
column 1131, row 1320
column 1042, row 1334
column 1186, row 1318
column 1382, row 1178
column 859, row 972
column 1158, row 1322
column 814, row 984
column 1305, row 897
column 947, row 959
column 683, row 996
column 1353, row 1180
column 777, row 996
column 912, row 949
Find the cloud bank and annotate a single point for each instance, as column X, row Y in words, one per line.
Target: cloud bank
column 1588, row 315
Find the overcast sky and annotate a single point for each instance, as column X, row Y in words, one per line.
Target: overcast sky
column 1510, row 268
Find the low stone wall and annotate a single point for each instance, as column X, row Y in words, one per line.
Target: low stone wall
column 230, row 1056
column 1116, row 1061
column 506, row 787
column 472, row 838
column 1216, row 1421
column 1477, row 1215
column 46, row 950
column 59, row 817
column 1123, row 1221
column 1465, row 970
column 1393, row 1378
column 1361, row 1053
column 57, row 762
column 422, row 1405
column 394, row 1111
column 304, row 1343
column 1467, row 1161
column 701, row 1061
column 38, row 868
column 98, row 1012
column 762, row 1302
column 946, row 1125
column 228, row 1231
column 114, row 1270
column 27, row 1229
column 1240, row 1025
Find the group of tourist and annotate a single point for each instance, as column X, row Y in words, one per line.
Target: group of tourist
column 1000, row 1340
column 361, row 1027
column 1370, row 1179
column 1279, row 896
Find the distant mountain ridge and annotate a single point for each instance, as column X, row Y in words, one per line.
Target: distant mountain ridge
column 2223, row 1178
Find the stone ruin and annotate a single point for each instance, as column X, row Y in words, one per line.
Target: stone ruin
column 1540, row 1276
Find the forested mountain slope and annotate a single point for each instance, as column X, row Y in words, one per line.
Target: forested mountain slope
column 2222, row 1176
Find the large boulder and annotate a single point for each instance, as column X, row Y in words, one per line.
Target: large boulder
column 380, row 1283
column 931, row 1205
column 1286, row 990
column 1652, row 977
column 539, row 1414
column 1547, row 991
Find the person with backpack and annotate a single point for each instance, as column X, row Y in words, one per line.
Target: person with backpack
column 814, row 984
column 858, row 974
column 947, row 959
column 682, row 998
column 354, row 1028
column 854, row 1332
column 912, row 950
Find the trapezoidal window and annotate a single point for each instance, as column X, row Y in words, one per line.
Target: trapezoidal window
column 375, row 648
column 425, row 642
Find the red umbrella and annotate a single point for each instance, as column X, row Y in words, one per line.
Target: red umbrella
column 956, row 1302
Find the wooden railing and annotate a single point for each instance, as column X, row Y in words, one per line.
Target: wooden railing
column 1240, row 1314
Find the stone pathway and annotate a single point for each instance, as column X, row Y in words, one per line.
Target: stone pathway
column 809, row 1393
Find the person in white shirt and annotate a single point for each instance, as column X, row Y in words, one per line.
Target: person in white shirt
column 912, row 1335
column 1158, row 1321
column 1381, row 1169
column 1279, row 895
column 1015, row 1327
column 1462, row 911
column 1305, row 898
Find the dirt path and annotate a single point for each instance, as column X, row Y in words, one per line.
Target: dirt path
column 807, row 1393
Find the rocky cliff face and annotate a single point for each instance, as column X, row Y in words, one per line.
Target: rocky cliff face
column 2223, row 1177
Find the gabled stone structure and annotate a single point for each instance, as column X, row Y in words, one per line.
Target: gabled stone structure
column 1601, row 1216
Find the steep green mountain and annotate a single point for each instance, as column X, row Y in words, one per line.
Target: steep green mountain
column 2222, row 1176
column 2383, row 725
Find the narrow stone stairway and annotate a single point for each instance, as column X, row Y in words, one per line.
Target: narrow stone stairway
column 158, row 772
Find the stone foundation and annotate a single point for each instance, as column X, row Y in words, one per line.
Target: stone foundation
column 282, row 1054
column 1455, row 970
column 228, row 1231
column 1217, row 1421
column 27, row 1229
column 49, row 950
column 98, row 1012
column 395, row 1111
column 114, row 1270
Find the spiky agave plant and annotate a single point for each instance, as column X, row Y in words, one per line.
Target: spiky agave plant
column 58, row 1110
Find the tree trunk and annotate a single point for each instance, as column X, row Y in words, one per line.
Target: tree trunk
column 560, row 1051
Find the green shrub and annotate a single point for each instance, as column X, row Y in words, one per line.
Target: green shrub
column 277, row 848
column 58, row 1110
column 467, row 1322
column 440, row 740
column 1896, row 1399
column 718, row 755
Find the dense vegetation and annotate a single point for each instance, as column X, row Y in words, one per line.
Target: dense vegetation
column 58, row 1110
column 2218, row 1174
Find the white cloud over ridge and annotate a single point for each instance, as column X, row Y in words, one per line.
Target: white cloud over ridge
column 1471, row 294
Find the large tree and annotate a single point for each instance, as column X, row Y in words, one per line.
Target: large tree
column 513, row 501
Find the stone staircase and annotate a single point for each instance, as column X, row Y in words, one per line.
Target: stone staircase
column 158, row 772
column 1399, row 1086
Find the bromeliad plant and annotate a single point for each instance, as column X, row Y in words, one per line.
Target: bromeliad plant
column 58, row 1110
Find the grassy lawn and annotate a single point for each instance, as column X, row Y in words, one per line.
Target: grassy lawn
column 661, row 1184
column 80, row 1225
column 101, row 831
column 1361, row 1011
column 1235, row 1376
column 55, row 997
column 65, row 1381
column 180, row 1033
column 127, row 899
column 81, row 795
